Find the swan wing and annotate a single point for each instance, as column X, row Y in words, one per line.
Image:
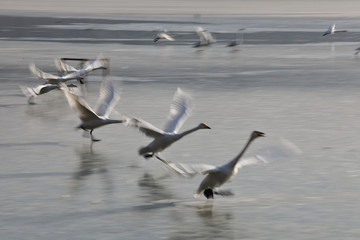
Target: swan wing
column 167, row 36
column 108, row 98
column 42, row 75
column 79, row 105
column 63, row 67
column 95, row 64
column 189, row 170
column 201, row 33
column 180, row 110
column 145, row 127
column 281, row 149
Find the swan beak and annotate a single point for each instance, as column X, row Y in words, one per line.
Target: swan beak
column 206, row 126
column 260, row 134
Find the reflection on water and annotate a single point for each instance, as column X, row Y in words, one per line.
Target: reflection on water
column 91, row 164
column 152, row 189
column 203, row 220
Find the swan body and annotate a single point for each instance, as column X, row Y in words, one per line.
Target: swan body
column 91, row 119
column 332, row 30
column 163, row 35
column 179, row 112
column 205, row 38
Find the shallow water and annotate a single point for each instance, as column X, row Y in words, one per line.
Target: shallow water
column 55, row 184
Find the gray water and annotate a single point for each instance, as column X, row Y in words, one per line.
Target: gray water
column 55, row 184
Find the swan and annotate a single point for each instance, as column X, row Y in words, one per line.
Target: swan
column 91, row 119
column 87, row 65
column 163, row 35
column 216, row 176
column 75, row 74
column 205, row 38
column 237, row 41
column 357, row 50
column 31, row 93
column 179, row 112
column 331, row 30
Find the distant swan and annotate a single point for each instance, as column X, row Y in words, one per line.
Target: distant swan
column 163, row 35
column 31, row 93
column 237, row 41
column 91, row 119
column 331, row 30
column 72, row 73
column 205, row 38
column 179, row 112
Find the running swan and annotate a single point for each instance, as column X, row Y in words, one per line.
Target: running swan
column 179, row 112
column 216, row 176
column 331, row 30
column 91, row 119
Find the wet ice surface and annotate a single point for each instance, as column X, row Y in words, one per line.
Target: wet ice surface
column 55, row 185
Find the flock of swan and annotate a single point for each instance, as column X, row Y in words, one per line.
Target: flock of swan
column 180, row 109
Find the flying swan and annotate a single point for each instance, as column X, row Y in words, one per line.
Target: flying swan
column 179, row 112
column 91, row 119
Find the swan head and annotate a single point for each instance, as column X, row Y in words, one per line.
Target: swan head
column 203, row 126
column 256, row 134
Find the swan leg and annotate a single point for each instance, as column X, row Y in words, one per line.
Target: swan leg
column 92, row 137
column 161, row 159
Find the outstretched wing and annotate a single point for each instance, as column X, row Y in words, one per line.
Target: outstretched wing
column 79, row 105
column 280, row 149
column 63, row 67
column 108, row 98
column 147, row 128
column 180, row 110
column 188, row 170
column 43, row 75
column 95, row 64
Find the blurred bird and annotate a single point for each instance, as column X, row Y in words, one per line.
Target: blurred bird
column 163, row 34
column 91, row 119
column 357, row 50
column 87, row 66
column 72, row 73
column 215, row 176
column 331, row 30
column 179, row 112
column 237, row 41
column 205, row 38
column 31, row 93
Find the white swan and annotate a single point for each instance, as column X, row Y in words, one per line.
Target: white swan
column 216, row 176
column 237, row 41
column 87, row 66
column 331, row 30
column 179, row 112
column 91, row 119
column 357, row 51
column 31, row 93
column 205, row 38
column 163, row 35
column 73, row 74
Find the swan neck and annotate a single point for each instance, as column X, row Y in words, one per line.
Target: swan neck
column 238, row 157
column 189, row 131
